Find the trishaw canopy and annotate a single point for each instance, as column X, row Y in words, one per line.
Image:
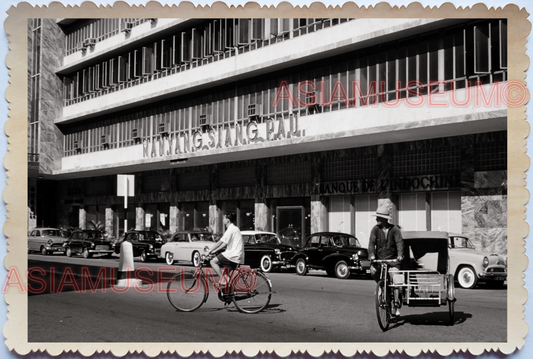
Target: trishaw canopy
column 430, row 245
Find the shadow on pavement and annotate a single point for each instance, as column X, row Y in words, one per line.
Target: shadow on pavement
column 430, row 319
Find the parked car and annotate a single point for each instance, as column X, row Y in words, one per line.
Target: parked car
column 339, row 254
column 145, row 244
column 45, row 240
column 264, row 250
column 469, row 265
column 187, row 246
column 87, row 242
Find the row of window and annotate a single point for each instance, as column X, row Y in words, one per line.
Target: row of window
column 89, row 32
column 360, row 78
column 207, row 42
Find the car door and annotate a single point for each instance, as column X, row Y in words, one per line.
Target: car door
column 77, row 242
column 327, row 247
column 250, row 250
column 181, row 247
column 33, row 239
column 311, row 250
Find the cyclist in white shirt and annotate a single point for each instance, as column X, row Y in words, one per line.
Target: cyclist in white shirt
column 231, row 245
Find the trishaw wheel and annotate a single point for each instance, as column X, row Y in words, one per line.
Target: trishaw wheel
column 383, row 306
column 451, row 311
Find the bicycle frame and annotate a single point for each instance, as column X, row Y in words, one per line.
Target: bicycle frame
column 241, row 289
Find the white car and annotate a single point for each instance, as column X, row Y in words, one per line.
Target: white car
column 187, row 246
column 469, row 265
column 45, row 240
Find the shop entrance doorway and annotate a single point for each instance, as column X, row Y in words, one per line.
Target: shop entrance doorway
column 290, row 224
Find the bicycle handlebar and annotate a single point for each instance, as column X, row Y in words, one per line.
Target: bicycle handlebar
column 384, row 260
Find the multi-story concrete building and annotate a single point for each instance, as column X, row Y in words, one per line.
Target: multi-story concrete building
column 295, row 124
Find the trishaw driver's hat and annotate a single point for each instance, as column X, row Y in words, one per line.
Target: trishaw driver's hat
column 383, row 211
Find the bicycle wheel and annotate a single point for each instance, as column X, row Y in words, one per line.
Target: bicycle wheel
column 383, row 306
column 252, row 291
column 187, row 291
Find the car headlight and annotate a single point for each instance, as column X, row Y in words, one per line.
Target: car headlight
column 485, row 262
column 277, row 251
column 50, row 242
column 355, row 257
column 151, row 246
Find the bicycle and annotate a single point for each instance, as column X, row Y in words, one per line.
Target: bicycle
column 249, row 290
column 384, row 295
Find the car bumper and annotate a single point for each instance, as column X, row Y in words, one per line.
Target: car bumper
column 493, row 275
column 101, row 251
column 55, row 249
column 358, row 268
column 283, row 260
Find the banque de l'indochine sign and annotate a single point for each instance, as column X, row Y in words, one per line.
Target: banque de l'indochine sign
column 413, row 183
column 222, row 136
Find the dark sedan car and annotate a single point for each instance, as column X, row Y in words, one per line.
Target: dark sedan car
column 87, row 242
column 146, row 244
column 339, row 254
column 264, row 250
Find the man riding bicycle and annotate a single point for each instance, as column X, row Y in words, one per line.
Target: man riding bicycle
column 232, row 248
column 386, row 242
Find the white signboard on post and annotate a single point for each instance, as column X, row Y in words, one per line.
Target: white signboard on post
column 125, row 185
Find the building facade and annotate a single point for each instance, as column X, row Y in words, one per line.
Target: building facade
column 297, row 125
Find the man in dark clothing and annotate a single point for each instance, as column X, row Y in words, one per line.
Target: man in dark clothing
column 386, row 242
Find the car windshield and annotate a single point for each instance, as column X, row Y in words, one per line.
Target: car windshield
column 270, row 239
column 51, row 232
column 202, row 237
column 150, row 237
column 461, row 242
column 92, row 236
column 345, row 241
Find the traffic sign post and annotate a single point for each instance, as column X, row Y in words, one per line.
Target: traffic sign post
column 126, row 188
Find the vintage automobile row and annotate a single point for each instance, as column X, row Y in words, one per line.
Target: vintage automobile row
column 338, row 254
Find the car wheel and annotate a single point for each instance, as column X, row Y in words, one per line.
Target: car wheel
column 68, row 252
column 86, row 253
column 44, row 251
column 196, row 259
column 467, row 277
column 169, row 258
column 341, row 270
column 266, row 263
column 301, row 267
column 143, row 256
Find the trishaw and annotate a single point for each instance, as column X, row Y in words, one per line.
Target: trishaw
column 422, row 279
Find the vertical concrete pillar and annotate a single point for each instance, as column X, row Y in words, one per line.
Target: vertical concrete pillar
column 83, row 218
column 173, row 220
column 139, row 219
column 214, row 219
column 319, row 214
column 109, row 220
column 262, row 217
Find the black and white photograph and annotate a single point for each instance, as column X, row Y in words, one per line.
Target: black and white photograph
column 344, row 181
